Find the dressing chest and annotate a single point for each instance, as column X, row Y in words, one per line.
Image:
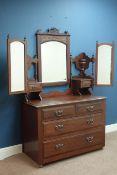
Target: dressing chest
column 64, row 126
column 58, row 125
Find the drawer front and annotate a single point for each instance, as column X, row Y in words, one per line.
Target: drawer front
column 34, row 87
column 59, row 127
column 91, row 107
column 58, row 112
column 73, row 142
column 86, row 83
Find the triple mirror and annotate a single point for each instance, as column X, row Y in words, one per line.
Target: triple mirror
column 52, row 62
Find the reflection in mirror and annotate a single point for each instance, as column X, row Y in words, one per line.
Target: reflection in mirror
column 53, row 52
column 104, row 64
column 16, row 66
column 53, row 62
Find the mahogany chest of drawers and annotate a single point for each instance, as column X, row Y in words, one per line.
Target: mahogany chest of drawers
column 61, row 127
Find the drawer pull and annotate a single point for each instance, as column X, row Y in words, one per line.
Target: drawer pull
column 59, row 113
column 59, row 126
column 89, row 139
column 90, row 121
column 59, row 146
column 90, row 108
column 33, row 86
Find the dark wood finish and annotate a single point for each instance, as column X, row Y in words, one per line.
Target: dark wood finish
column 90, row 108
column 33, row 85
column 64, row 126
column 58, row 112
column 80, row 127
column 73, row 142
column 31, row 135
column 112, row 63
column 82, row 63
column 53, row 34
column 80, row 84
column 63, row 100
column 56, row 93
column 73, row 153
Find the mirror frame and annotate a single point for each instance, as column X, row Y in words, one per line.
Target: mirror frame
column 112, row 64
column 33, row 85
column 53, row 34
column 9, row 41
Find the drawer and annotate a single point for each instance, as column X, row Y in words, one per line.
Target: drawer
column 81, row 82
column 73, row 142
column 61, row 126
column 34, row 87
column 86, row 83
column 54, row 113
column 90, row 107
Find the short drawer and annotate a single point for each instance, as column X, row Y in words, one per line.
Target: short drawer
column 34, row 87
column 61, row 126
column 90, row 107
column 74, row 142
column 86, row 83
column 54, row 113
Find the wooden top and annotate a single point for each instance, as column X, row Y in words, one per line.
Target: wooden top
column 61, row 100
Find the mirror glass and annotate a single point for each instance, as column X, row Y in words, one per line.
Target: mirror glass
column 104, row 64
column 17, row 66
column 53, row 53
column 53, row 62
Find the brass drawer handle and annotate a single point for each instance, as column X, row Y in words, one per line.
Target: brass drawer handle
column 34, row 87
column 89, row 139
column 90, row 121
column 59, row 146
column 59, row 113
column 59, row 127
column 90, row 108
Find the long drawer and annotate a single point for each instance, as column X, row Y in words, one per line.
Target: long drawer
column 58, row 112
column 73, row 142
column 61, row 126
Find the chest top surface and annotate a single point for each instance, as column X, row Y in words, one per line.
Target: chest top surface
column 63, row 100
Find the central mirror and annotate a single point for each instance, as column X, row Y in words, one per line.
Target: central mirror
column 54, row 57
